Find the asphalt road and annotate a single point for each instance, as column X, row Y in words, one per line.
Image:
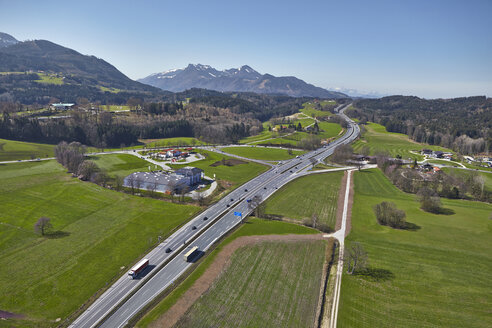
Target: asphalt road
column 126, row 297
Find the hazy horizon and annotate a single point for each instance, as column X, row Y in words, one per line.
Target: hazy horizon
column 438, row 49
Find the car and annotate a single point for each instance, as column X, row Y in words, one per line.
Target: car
column 290, row 171
column 245, row 190
column 248, row 200
column 228, row 205
column 193, row 228
column 232, row 199
column 264, row 188
column 205, row 218
column 168, row 250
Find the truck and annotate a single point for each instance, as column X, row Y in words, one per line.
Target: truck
column 137, row 268
column 190, row 254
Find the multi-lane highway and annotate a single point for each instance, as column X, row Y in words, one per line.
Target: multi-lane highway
column 127, row 297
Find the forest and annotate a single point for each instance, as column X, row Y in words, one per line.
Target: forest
column 463, row 124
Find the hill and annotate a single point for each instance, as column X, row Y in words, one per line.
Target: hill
column 243, row 79
column 7, row 40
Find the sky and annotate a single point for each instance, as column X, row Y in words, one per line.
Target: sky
column 426, row 48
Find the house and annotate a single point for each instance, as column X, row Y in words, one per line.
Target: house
column 438, row 154
column 192, row 173
column 426, row 167
column 62, row 106
column 426, row 152
column 176, row 153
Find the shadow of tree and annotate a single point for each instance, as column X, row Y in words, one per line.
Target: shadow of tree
column 57, row 234
column 446, row 211
column 411, row 226
column 375, row 274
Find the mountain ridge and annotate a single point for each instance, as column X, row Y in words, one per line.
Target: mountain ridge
column 242, row 79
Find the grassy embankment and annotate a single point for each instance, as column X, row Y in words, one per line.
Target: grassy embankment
column 266, row 154
column 11, row 150
column 487, row 177
column 304, row 197
column 378, row 139
column 437, row 275
column 309, row 109
column 97, row 234
column 252, row 227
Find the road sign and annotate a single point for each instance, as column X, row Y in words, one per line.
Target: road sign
column 238, row 214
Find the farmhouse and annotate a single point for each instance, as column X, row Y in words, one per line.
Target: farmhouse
column 192, row 173
column 62, row 106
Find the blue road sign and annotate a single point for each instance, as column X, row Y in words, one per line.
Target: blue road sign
column 238, row 214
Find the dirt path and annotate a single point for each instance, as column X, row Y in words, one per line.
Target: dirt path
column 341, row 199
column 220, row 263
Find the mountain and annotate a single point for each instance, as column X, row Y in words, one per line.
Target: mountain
column 7, row 40
column 48, row 57
column 243, row 79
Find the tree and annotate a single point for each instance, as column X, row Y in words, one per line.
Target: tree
column 254, row 204
column 43, row 225
column 290, row 152
column 356, row 258
column 87, row 169
column 388, row 214
column 429, row 200
column 131, row 182
column 118, row 182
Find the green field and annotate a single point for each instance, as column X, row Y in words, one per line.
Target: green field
column 237, row 174
column 315, row 194
column 437, row 275
column 98, row 234
column 309, row 109
column 121, row 164
column 266, row 154
column 271, row 284
column 49, row 79
column 378, row 139
column 11, row 150
column 252, row 227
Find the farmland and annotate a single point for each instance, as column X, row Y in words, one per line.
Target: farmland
column 304, row 197
column 252, row 227
column 379, row 140
column 309, row 109
column 270, row 284
column 14, row 150
column 267, row 154
column 97, row 234
column 436, row 275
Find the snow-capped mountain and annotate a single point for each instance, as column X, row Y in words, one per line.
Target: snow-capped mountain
column 243, row 79
column 7, row 40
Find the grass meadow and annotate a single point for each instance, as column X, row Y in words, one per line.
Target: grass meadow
column 379, row 140
column 315, row 194
column 436, row 275
column 97, row 234
column 11, row 150
column 266, row 154
column 121, row 164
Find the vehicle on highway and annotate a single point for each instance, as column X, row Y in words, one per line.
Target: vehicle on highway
column 205, row 218
column 168, row 250
column 190, row 254
column 137, row 268
column 193, row 228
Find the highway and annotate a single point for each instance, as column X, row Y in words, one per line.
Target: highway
column 127, row 297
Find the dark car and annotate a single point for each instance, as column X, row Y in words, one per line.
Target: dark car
column 245, row 190
column 168, row 250
column 228, row 205
column 205, row 218
column 232, row 199
column 193, row 228
column 264, row 188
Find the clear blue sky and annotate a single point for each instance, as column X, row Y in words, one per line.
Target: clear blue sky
column 427, row 48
